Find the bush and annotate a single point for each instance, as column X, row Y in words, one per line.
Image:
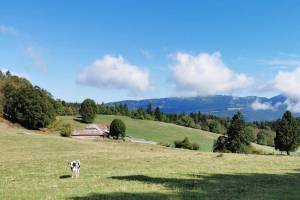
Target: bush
column 215, row 127
column 261, row 138
column 66, row 130
column 186, row 144
column 195, row 146
column 220, row 144
column 265, row 137
column 117, row 129
column 246, row 149
column 88, row 110
column 258, row 152
column 250, row 134
column 186, row 121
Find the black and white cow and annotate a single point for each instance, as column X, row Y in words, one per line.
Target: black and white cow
column 75, row 168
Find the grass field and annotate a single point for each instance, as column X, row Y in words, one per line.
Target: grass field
column 34, row 166
column 154, row 131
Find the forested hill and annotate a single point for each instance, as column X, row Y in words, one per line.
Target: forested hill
column 253, row 108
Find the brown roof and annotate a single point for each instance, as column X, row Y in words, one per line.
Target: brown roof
column 103, row 126
column 92, row 130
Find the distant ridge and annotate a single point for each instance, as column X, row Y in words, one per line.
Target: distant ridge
column 252, row 107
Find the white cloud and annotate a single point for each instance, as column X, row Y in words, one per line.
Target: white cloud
column 293, row 105
column 7, row 30
column 257, row 105
column 37, row 58
column 115, row 72
column 205, row 74
column 287, row 83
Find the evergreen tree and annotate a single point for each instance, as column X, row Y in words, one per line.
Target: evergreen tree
column 157, row 114
column 149, row 109
column 236, row 136
column 287, row 138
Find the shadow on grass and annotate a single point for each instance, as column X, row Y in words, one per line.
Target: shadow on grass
column 125, row 196
column 65, row 176
column 79, row 119
column 216, row 186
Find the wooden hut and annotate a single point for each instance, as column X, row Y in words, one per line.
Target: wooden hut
column 92, row 131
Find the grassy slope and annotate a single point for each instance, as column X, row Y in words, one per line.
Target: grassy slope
column 155, row 131
column 35, row 167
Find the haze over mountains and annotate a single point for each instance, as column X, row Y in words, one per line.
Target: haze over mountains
column 252, row 107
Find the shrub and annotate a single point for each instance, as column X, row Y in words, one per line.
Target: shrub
column 195, row 146
column 261, row 138
column 266, row 137
column 258, row 152
column 117, row 129
column 250, row 134
column 215, row 126
column 220, row 144
column 186, row 121
column 66, row 130
column 186, row 144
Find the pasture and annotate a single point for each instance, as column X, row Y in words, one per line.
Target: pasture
column 34, row 165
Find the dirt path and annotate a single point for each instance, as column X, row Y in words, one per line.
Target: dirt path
column 138, row 140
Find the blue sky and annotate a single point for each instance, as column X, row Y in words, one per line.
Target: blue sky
column 147, row 49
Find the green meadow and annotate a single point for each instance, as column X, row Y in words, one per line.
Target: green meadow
column 155, row 131
column 34, row 165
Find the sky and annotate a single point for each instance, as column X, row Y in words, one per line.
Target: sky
column 129, row 49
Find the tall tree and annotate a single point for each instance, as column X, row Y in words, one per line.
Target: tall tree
column 149, row 109
column 157, row 114
column 88, row 110
column 236, row 134
column 287, row 138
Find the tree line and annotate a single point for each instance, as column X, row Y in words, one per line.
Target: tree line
column 237, row 140
column 23, row 103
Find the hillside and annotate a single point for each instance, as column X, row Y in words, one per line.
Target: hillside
column 217, row 105
column 154, row 131
column 160, row 132
column 35, row 166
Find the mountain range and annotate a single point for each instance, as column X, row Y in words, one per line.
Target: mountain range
column 252, row 107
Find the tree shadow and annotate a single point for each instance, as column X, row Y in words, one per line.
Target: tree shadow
column 216, row 186
column 79, row 119
column 65, row 176
column 124, row 196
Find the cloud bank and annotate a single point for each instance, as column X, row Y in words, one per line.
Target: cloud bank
column 287, row 83
column 257, row 105
column 205, row 74
column 114, row 72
